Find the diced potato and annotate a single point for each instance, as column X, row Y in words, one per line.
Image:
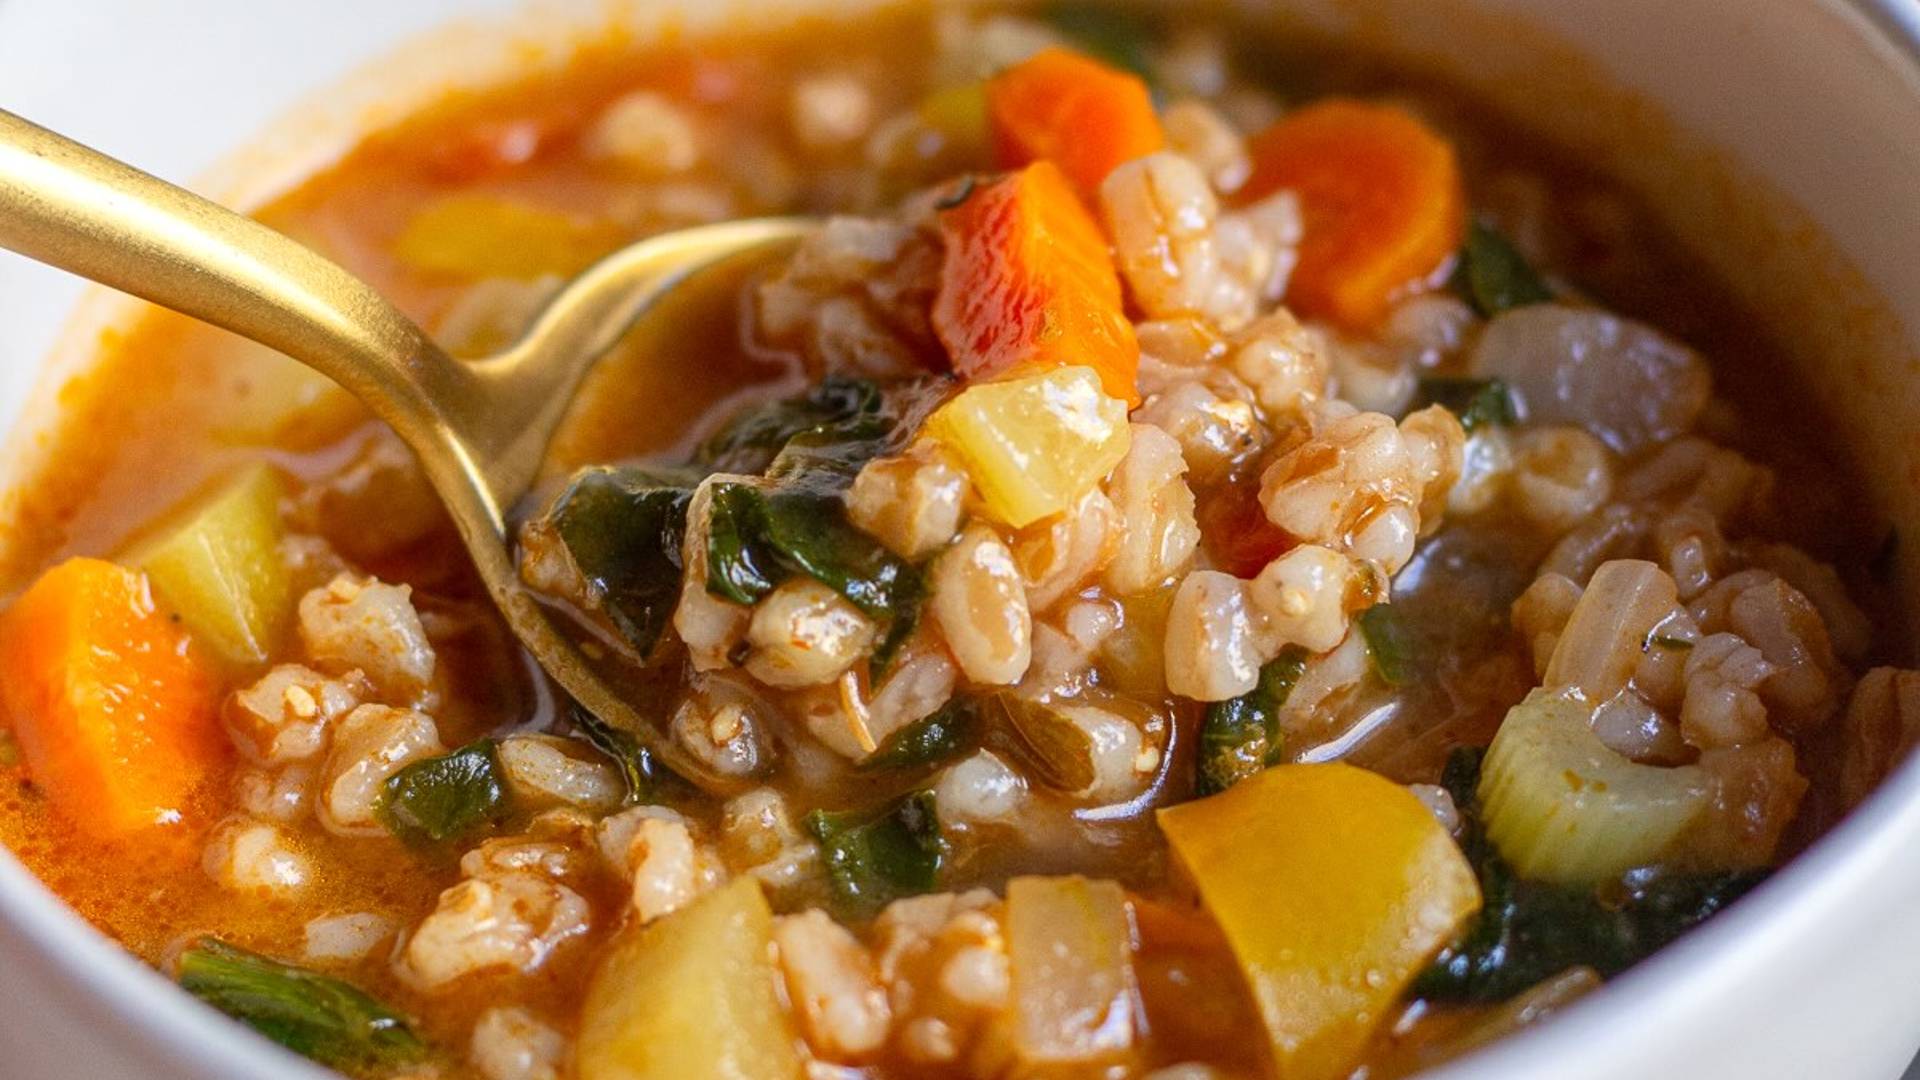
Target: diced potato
column 1561, row 806
column 1070, row 947
column 690, row 996
column 483, row 236
column 1335, row 887
column 219, row 568
column 276, row 400
column 1034, row 445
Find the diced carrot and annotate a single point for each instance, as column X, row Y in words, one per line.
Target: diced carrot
column 1076, row 112
column 115, row 709
column 1027, row 283
column 1236, row 532
column 1380, row 198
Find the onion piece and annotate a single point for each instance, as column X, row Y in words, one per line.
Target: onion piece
column 1622, row 380
column 1070, row 944
column 1608, row 629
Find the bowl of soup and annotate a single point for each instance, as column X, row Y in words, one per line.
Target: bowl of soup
column 1273, row 540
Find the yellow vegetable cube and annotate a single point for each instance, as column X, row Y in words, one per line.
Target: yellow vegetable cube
column 690, row 996
column 219, row 568
column 483, row 236
column 1335, row 887
column 1035, row 444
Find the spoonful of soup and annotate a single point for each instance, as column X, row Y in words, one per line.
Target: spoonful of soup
column 480, row 428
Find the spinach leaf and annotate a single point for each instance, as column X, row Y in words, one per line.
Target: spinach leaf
column 1388, row 644
column 1115, row 36
column 623, row 529
column 1241, row 736
column 838, row 409
column 447, row 797
column 1494, row 277
column 1476, row 402
column 875, row 857
column 644, row 775
column 950, row 731
column 321, row 1018
column 759, row 537
column 1528, row 931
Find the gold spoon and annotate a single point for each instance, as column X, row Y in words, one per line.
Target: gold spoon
column 480, row 428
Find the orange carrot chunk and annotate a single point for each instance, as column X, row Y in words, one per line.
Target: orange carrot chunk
column 116, row 712
column 1381, row 200
column 1028, row 283
column 1078, row 113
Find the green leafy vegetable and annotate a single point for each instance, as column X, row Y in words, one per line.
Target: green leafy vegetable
column 1528, row 931
column 623, row 527
column 313, row 1015
column 1477, row 402
column 643, row 773
column 1241, row 736
column 1388, row 644
column 875, row 857
column 1669, row 642
column 760, row 537
column 446, row 797
column 838, row 409
column 951, row 731
column 1494, row 277
column 1105, row 32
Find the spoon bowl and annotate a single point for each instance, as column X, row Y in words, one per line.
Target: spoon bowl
column 480, row 428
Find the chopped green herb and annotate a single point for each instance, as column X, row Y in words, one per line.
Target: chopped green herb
column 1477, row 403
column 1493, row 276
column 875, row 857
column 1527, row 930
column 952, row 730
column 1669, row 642
column 446, row 797
column 622, row 528
column 1242, row 736
column 637, row 765
column 321, row 1018
column 1388, row 644
column 1104, row 32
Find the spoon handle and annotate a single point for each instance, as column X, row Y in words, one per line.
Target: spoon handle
column 75, row 208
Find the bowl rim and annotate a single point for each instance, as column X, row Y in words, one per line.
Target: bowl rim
column 146, row 1016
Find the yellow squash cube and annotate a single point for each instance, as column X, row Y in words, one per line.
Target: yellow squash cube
column 1335, row 887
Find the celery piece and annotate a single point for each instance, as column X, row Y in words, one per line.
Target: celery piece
column 1563, row 807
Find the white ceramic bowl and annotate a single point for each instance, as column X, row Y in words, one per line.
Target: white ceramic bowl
column 1781, row 137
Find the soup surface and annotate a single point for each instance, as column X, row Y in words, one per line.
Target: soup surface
column 1217, row 559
